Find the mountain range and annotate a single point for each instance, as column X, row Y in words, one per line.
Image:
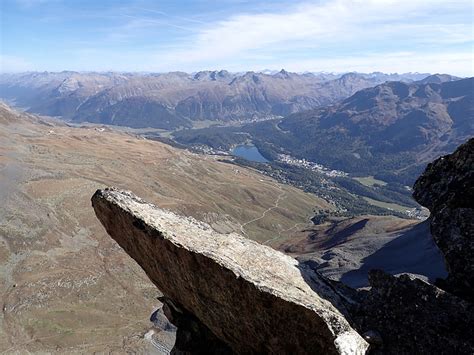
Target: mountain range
column 177, row 99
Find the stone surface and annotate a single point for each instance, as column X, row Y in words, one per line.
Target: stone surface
column 447, row 189
column 413, row 317
column 251, row 297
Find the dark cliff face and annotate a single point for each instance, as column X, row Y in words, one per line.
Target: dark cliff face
column 413, row 317
column 447, row 189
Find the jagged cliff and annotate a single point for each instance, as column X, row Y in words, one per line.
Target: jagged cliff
column 447, row 189
column 228, row 294
column 414, row 316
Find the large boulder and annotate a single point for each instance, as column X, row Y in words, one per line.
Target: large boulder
column 243, row 296
column 447, row 189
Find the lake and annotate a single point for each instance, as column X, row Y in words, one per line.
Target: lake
column 249, row 152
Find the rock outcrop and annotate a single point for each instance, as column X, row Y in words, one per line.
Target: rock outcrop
column 227, row 294
column 413, row 317
column 243, row 296
column 446, row 188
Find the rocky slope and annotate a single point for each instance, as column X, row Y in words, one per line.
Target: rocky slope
column 65, row 286
column 406, row 315
column 447, row 189
column 176, row 99
column 202, row 272
column 347, row 250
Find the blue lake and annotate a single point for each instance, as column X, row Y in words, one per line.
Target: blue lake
column 249, row 152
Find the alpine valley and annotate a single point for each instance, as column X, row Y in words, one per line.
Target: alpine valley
column 338, row 155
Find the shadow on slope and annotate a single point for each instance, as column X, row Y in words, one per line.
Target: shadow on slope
column 414, row 251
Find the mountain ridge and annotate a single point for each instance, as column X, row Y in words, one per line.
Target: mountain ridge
column 176, row 99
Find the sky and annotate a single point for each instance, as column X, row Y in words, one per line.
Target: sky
column 159, row 36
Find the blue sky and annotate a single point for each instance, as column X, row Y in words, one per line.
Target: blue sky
column 237, row 35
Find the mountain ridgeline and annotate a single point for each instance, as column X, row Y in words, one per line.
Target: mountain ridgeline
column 176, row 99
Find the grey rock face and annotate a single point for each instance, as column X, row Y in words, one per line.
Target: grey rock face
column 252, row 298
column 413, row 317
column 447, row 189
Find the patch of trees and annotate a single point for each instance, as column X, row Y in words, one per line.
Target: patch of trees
column 346, row 202
column 391, row 193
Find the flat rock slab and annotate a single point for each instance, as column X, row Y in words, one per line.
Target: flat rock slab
column 251, row 297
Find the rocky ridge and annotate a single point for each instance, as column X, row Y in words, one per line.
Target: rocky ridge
column 447, row 189
column 244, row 297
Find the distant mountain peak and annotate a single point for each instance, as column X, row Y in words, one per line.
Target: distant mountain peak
column 283, row 74
column 438, row 79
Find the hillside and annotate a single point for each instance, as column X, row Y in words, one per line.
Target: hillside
column 394, row 127
column 176, row 99
column 65, row 285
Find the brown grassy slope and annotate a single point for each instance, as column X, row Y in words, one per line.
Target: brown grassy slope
column 64, row 284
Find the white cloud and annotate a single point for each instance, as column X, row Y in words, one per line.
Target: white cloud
column 411, row 23
column 319, row 35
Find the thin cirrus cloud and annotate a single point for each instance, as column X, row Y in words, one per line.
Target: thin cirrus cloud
column 457, row 63
column 345, row 28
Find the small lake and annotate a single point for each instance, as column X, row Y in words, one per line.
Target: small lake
column 249, row 152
